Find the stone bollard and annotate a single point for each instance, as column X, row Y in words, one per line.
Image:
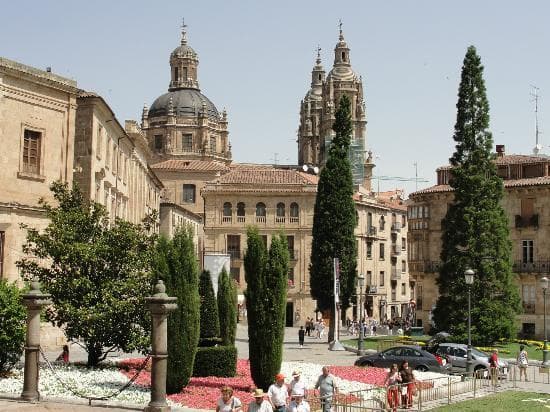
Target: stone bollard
column 160, row 304
column 34, row 300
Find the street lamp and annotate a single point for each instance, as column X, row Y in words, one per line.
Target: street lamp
column 544, row 284
column 360, row 282
column 469, row 278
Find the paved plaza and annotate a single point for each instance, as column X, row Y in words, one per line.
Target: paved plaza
column 314, row 351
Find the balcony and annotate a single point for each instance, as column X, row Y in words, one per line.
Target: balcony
column 241, row 219
column 396, row 227
column 395, row 274
column 260, row 219
column 234, row 253
column 528, row 308
column 294, row 219
column 371, row 290
column 227, row 219
column 395, row 250
column 371, row 231
column 526, row 221
column 540, row 266
column 280, row 219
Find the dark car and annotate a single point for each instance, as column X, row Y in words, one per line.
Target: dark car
column 418, row 359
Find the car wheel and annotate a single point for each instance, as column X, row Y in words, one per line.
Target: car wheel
column 421, row 368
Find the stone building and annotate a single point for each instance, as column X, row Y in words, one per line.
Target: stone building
column 318, row 108
column 173, row 216
column 527, row 191
column 37, row 118
column 111, row 165
column 187, row 135
column 271, row 199
column 382, row 254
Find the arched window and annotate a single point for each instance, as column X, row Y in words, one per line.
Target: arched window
column 294, row 213
column 227, row 212
column 260, row 212
column 241, row 212
column 280, row 217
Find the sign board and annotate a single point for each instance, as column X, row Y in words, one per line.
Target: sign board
column 214, row 263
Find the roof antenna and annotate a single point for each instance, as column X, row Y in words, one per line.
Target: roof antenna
column 538, row 146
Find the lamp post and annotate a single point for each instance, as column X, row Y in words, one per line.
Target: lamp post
column 469, row 278
column 360, row 282
column 544, row 284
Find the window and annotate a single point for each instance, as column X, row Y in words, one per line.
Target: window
column 369, row 250
column 382, row 222
column 236, row 274
column 344, row 56
column 369, row 278
column 227, row 212
column 184, row 72
column 108, row 155
column 176, row 73
column 290, row 243
column 234, row 246
column 188, row 195
column 527, row 207
column 294, row 213
column 382, row 251
column 369, row 221
column 99, row 141
column 114, row 158
column 418, row 297
column 260, row 212
column 403, row 289
column 527, row 251
column 32, row 141
column 2, row 241
column 528, row 297
column 187, row 142
column 290, row 277
column 241, row 212
column 403, row 243
column 403, row 221
column 280, row 216
column 382, row 278
column 403, row 266
column 158, row 142
column 212, row 144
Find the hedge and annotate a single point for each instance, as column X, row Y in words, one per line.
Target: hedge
column 216, row 361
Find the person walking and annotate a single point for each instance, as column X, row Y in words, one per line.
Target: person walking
column 297, row 385
column 259, row 404
column 493, row 367
column 308, row 327
column 392, row 381
column 301, row 336
column 408, row 387
column 278, row 394
column 327, row 389
column 522, row 362
column 298, row 403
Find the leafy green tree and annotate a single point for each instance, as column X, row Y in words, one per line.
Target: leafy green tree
column 334, row 221
column 266, row 278
column 12, row 325
column 475, row 229
column 227, row 308
column 97, row 273
column 209, row 321
column 176, row 263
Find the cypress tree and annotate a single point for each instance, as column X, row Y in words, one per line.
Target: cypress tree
column 334, row 221
column 209, row 323
column 475, row 228
column 227, row 308
column 176, row 263
column 266, row 278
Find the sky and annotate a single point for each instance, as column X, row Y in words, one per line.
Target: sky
column 256, row 59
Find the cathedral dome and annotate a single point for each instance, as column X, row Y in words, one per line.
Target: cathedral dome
column 185, row 102
column 184, row 51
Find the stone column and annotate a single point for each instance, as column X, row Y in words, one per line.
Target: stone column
column 34, row 300
column 159, row 305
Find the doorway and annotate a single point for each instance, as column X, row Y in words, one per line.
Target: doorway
column 289, row 314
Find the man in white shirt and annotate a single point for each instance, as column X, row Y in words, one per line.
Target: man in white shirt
column 259, row 404
column 278, row 394
column 297, row 385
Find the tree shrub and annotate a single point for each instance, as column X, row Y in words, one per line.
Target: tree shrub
column 209, row 321
column 227, row 308
column 12, row 325
column 216, row 361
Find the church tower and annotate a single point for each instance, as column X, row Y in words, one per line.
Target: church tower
column 317, row 112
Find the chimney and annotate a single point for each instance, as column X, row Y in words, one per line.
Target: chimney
column 500, row 150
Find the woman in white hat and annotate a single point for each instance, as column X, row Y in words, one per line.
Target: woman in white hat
column 259, row 404
column 297, row 385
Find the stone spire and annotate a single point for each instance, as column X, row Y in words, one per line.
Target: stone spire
column 317, row 76
column 183, row 65
column 342, row 65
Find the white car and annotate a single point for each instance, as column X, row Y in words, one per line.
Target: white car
column 456, row 354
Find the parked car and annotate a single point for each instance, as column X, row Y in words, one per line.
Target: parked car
column 418, row 359
column 456, row 354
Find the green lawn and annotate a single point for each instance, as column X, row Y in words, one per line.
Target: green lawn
column 371, row 342
column 505, row 401
column 513, row 349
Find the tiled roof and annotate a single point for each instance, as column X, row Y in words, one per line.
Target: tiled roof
column 533, row 181
column 190, row 165
column 267, row 176
column 512, row 159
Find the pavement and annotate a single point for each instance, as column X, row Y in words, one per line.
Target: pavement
column 314, row 351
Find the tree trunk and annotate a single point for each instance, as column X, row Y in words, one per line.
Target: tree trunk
column 94, row 353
